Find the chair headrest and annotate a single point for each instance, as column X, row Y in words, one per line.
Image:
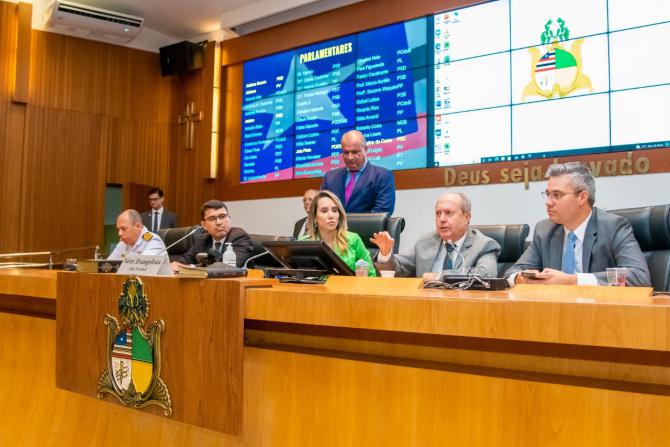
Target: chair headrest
column 651, row 225
column 171, row 235
column 512, row 239
column 366, row 224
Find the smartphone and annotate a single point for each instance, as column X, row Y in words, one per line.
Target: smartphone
column 530, row 275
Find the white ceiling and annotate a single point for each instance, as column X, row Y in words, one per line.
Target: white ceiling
column 169, row 21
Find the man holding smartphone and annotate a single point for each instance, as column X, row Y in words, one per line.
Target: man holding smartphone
column 578, row 242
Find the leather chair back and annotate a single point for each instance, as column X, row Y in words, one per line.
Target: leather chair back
column 651, row 227
column 512, row 240
column 366, row 224
column 171, row 235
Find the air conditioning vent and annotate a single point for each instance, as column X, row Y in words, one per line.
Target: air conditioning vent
column 86, row 21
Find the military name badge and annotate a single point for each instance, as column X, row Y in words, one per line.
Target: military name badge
column 555, row 70
column 133, row 354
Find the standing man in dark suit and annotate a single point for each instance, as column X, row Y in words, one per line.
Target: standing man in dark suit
column 361, row 186
column 158, row 217
column 216, row 222
column 578, row 242
column 300, row 227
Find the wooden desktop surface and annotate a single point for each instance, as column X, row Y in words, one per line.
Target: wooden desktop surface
column 363, row 361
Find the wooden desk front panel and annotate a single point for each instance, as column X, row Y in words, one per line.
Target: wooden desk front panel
column 300, row 399
column 201, row 347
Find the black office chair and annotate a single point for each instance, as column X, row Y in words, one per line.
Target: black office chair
column 266, row 260
column 512, row 240
column 366, row 224
column 651, row 227
column 171, row 235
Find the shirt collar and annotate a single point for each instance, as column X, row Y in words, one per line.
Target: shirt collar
column 580, row 231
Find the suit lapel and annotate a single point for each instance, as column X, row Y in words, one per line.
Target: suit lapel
column 589, row 241
column 467, row 243
column 430, row 254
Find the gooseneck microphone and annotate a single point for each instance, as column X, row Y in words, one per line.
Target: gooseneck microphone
column 458, row 253
column 255, row 257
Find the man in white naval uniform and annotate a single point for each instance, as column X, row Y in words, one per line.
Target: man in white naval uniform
column 135, row 238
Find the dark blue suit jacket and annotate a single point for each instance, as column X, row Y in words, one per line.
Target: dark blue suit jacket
column 374, row 191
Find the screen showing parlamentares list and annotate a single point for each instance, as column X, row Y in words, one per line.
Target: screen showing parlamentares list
column 297, row 104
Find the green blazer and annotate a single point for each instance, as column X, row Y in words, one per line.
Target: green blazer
column 355, row 251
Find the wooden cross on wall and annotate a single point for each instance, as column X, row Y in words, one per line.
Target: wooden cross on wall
column 189, row 118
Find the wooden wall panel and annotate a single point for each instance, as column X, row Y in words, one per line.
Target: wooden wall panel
column 191, row 166
column 62, row 204
column 8, row 33
column 11, row 158
column 138, row 152
column 84, row 75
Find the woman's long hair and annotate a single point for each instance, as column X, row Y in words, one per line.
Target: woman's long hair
column 313, row 227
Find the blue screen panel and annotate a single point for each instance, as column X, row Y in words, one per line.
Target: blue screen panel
column 324, row 108
column 400, row 144
column 268, row 76
column 393, row 48
column 268, row 118
column 267, row 160
column 317, row 152
column 325, row 63
column 391, row 97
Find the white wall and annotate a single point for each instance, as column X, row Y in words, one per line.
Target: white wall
column 491, row 204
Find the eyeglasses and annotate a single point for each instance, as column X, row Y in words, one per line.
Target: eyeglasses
column 221, row 217
column 557, row 195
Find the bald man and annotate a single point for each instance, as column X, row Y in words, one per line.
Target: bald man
column 300, row 226
column 452, row 246
column 361, row 186
column 135, row 238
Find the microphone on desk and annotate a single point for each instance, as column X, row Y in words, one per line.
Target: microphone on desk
column 165, row 250
column 458, row 253
column 255, row 257
column 210, row 257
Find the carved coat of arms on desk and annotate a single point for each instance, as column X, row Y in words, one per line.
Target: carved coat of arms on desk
column 133, row 353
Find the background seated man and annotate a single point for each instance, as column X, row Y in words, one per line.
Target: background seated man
column 134, row 238
column 328, row 222
column 216, row 222
column 578, row 242
column 300, row 227
column 436, row 252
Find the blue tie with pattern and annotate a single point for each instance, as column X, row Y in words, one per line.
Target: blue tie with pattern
column 568, row 263
column 448, row 264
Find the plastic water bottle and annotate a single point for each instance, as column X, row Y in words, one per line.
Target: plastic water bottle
column 229, row 257
column 362, row 268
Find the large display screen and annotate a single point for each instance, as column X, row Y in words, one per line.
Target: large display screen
column 504, row 80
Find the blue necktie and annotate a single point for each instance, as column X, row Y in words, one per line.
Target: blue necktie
column 448, row 264
column 568, row 263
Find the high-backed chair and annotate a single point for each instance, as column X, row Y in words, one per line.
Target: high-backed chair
column 171, row 235
column 366, row 224
column 651, row 226
column 512, row 240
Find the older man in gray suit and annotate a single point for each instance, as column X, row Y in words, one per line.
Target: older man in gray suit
column 578, row 242
column 452, row 246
